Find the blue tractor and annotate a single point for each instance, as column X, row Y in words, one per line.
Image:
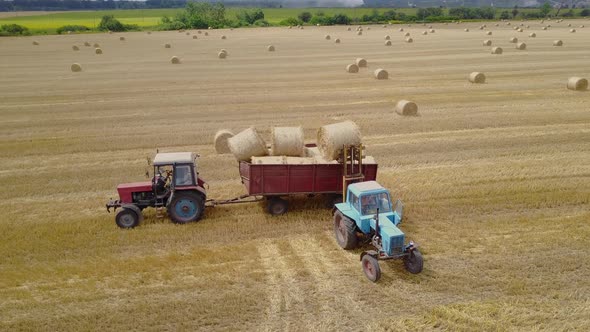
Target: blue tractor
column 368, row 210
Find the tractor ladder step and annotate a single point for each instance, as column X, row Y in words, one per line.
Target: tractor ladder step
column 160, row 212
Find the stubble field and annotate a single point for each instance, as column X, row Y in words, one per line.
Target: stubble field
column 495, row 178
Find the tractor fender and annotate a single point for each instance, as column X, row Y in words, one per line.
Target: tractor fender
column 370, row 253
column 135, row 209
column 197, row 189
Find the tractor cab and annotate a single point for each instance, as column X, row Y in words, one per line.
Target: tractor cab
column 368, row 210
column 174, row 169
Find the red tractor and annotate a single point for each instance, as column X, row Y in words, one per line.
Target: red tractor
column 175, row 186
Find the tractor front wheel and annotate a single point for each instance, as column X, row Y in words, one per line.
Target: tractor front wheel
column 277, row 206
column 126, row 218
column 345, row 231
column 186, row 207
column 371, row 268
column 414, row 262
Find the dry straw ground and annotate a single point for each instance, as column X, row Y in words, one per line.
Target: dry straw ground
column 495, row 177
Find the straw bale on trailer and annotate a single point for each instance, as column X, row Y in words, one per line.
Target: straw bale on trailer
column 246, row 144
column 220, row 141
column 287, row 141
column 406, row 107
column 577, row 83
column 331, row 138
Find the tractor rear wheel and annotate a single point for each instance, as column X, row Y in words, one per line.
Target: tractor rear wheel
column 126, row 218
column 371, row 268
column 414, row 262
column 186, row 207
column 345, row 231
column 277, row 206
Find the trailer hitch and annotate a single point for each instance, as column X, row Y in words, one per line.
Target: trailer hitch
column 113, row 204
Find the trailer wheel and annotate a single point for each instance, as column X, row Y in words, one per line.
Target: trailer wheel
column 414, row 262
column 126, row 218
column 186, row 207
column 345, row 231
column 277, row 206
column 371, row 268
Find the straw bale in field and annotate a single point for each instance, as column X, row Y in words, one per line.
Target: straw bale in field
column 287, row 141
column 380, row 74
column 406, row 107
column 577, row 83
column 246, row 144
column 352, row 68
column 331, row 138
column 477, row 77
column 220, row 141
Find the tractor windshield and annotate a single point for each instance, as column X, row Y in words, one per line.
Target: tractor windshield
column 371, row 202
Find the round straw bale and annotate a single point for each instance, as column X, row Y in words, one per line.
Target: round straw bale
column 331, row 138
column 572, row 30
column 349, row 29
column 544, row 28
column 466, row 30
column 401, row 30
column 121, row 38
column 406, row 107
column 430, row 27
column 489, row 33
column 521, row 46
column 528, row 27
column 86, row 44
column 35, row 42
column 487, row 42
column 270, row 48
column 497, row 24
column 581, row 26
column 381, row 74
column 407, row 34
column 519, row 30
column 96, row 45
column 175, row 60
column 223, row 37
column 514, row 40
column 481, row 27
column 195, row 37
column 409, row 40
column 361, row 62
column 424, row 32
column 569, row 25
column 220, row 141
column 167, row 46
column 76, row 67
column 431, row 31
column 149, row 32
column 477, row 77
column 290, row 27
column 206, row 33
column 98, row 50
column 199, row 32
column 223, row 50
column 247, row 144
column 577, row 83
column 352, row 68
column 75, row 48
column 507, row 23
column 222, row 55
column 327, row 37
column 388, row 43
column 557, row 43
column 188, row 33
column 287, row 141
column 532, row 35
column 359, row 33
column 337, row 40
column 497, row 50
column 387, row 37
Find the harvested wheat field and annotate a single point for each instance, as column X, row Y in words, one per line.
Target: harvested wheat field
column 495, row 178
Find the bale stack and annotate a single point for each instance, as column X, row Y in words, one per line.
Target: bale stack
column 577, row 84
column 331, row 138
column 287, row 141
column 220, row 141
column 247, row 144
column 406, row 108
column 477, row 77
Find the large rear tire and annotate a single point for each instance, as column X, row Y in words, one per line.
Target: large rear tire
column 414, row 262
column 186, row 207
column 371, row 268
column 126, row 218
column 345, row 231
